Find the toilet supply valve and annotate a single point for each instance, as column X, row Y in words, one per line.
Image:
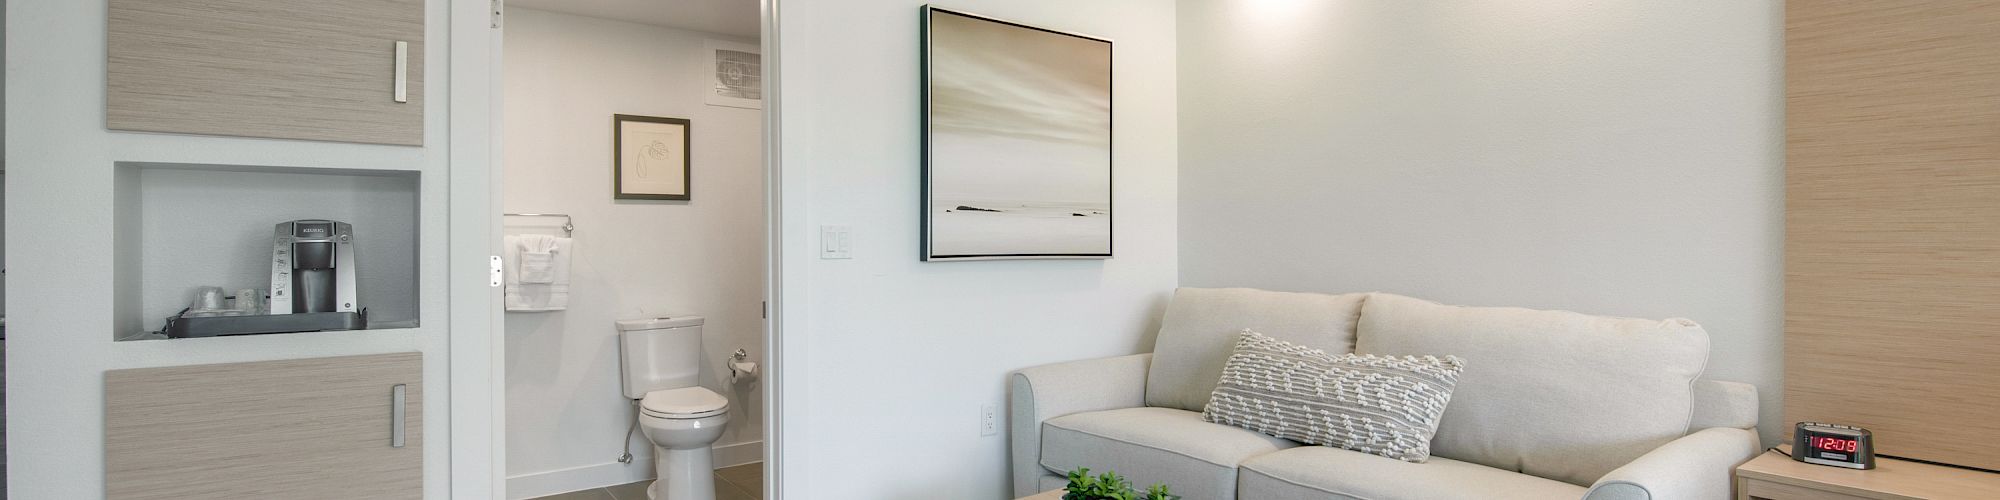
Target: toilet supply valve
column 740, row 369
column 626, row 458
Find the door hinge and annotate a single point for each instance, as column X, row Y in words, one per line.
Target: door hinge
column 498, row 6
column 493, row 271
column 766, row 312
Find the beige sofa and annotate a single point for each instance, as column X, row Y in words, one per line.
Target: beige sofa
column 1552, row 404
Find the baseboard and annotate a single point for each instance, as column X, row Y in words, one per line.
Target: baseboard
column 739, row 454
column 541, row 484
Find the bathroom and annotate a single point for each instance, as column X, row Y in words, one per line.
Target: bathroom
column 675, row 231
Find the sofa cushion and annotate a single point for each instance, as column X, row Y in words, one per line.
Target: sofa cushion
column 1150, row 446
column 1200, row 327
column 1320, row 473
column 1383, row 405
column 1719, row 403
column 1556, row 394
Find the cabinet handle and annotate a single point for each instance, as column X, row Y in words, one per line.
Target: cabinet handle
column 402, row 71
column 397, row 396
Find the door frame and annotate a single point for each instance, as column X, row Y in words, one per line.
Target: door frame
column 477, row 356
column 781, row 307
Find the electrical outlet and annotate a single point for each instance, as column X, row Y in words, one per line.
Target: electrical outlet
column 989, row 420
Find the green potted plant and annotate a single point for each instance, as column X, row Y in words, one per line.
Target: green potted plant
column 1109, row 486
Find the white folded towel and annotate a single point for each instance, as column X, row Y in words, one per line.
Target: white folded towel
column 537, row 259
column 537, row 272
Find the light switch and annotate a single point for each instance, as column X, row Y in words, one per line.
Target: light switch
column 836, row 242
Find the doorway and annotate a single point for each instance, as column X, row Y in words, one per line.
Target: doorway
column 632, row 147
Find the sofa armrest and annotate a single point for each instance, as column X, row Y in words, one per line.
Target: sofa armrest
column 1698, row 465
column 1049, row 391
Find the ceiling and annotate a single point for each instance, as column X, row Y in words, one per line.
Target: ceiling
column 728, row 17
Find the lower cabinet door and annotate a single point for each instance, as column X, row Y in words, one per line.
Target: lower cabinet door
column 342, row 427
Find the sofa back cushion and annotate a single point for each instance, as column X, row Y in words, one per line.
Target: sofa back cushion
column 1555, row 394
column 1201, row 325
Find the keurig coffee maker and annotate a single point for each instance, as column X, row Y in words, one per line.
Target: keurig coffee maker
column 312, row 267
column 312, row 288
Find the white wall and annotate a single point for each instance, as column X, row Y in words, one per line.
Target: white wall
column 565, row 76
column 887, row 370
column 1607, row 157
column 60, row 164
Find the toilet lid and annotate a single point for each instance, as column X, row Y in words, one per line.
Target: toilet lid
column 683, row 401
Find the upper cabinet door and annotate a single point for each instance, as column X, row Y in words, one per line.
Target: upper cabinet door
column 327, row 70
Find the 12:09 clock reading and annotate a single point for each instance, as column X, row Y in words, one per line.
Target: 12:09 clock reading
column 1835, row 444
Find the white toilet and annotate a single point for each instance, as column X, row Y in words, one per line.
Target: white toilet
column 662, row 359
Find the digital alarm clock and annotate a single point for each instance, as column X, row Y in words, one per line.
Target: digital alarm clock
column 1835, row 445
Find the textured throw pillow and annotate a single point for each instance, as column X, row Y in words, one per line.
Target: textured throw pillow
column 1383, row 405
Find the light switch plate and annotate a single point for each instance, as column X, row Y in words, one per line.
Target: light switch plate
column 836, row 242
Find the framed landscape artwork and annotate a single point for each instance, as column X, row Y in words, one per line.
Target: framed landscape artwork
column 1017, row 141
column 651, row 158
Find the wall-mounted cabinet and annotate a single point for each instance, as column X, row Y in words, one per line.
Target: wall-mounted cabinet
column 340, row 427
column 180, row 227
column 348, row 70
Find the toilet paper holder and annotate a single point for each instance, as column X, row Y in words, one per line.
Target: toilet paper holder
column 740, row 368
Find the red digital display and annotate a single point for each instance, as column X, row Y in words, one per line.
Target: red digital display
column 1824, row 443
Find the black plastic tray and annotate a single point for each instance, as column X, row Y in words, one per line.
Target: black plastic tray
column 181, row 327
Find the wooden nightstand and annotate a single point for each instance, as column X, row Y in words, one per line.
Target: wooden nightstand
column 1046, row 495
column 1771, row 476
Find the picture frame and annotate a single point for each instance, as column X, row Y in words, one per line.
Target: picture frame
column 652, row 158
column 1017, row 128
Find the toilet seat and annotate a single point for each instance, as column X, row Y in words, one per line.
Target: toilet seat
column 683, row 403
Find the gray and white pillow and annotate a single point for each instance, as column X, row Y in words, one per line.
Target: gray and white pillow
column 1383, row 405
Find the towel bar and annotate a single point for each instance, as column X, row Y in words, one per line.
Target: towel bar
column 568, row 227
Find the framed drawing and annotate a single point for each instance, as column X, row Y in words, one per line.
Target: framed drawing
column 736, row 75
column 651, row 158
column 1017, row 141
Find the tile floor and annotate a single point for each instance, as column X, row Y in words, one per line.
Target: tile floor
column 742, row 482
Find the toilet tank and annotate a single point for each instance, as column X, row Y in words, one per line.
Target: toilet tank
column 659, row 353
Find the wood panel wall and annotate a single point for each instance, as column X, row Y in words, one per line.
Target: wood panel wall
column 1892, row 223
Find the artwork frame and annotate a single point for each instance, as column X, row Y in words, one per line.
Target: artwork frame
column 1017, row 140
column 733, row 81
column 647, row 142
